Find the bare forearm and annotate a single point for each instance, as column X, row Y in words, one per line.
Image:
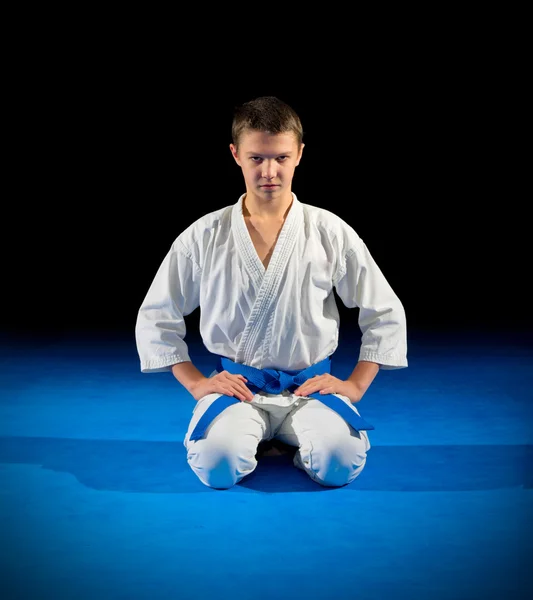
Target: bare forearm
column 187, row 374
column 363, row 375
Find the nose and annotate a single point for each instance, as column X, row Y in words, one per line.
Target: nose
column 269, row 169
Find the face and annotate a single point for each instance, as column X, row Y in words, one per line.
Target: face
column 268, row 162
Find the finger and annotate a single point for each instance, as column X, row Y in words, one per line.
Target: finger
column 306, row 391
column 313, row 384
column 234, row 392
column 232, row 380
column 303, row 390
column 246, row 393
column 240, row 390
column 239, row 381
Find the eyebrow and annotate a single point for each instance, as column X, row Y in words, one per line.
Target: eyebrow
column 259, row 154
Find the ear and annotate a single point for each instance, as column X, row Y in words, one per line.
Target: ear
column 234, row 153
column 300, row 154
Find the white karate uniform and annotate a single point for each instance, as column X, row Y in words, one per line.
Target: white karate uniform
column 282, row 317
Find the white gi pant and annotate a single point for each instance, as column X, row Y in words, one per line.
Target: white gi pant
column 330, row 450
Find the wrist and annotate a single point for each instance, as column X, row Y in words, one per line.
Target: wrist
column 363, row 375
column 188, row 375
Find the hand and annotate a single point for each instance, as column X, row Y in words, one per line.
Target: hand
column 327, row 384
column 222, row 383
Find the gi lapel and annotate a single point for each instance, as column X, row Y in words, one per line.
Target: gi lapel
column 257, row 330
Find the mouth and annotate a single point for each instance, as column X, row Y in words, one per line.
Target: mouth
column 270, row 185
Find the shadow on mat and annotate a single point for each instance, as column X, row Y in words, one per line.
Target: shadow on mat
column 161, row 467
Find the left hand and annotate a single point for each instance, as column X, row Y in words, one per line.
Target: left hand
column 327, row 384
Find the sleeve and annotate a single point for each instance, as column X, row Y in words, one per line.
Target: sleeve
column 160, row 327
column 382, row 318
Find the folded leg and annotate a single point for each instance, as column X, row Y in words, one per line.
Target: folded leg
column 227, row 451
column 330, row 451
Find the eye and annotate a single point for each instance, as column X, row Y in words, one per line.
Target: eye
column 282, row 158
column 255, row 159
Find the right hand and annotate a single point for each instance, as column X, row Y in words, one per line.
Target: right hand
column 222, row 383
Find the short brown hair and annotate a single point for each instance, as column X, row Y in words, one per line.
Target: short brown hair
column 268, row 114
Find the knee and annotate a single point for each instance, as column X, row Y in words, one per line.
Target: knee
column 334, row 462
column 219, row 463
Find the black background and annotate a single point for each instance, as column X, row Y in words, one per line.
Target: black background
column 113, row 156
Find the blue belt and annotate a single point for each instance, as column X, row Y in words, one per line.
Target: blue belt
column 274, row 382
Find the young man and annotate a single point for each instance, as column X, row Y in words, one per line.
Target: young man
column 263, row 271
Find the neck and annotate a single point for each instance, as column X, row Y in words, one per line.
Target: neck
column 277, row 208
